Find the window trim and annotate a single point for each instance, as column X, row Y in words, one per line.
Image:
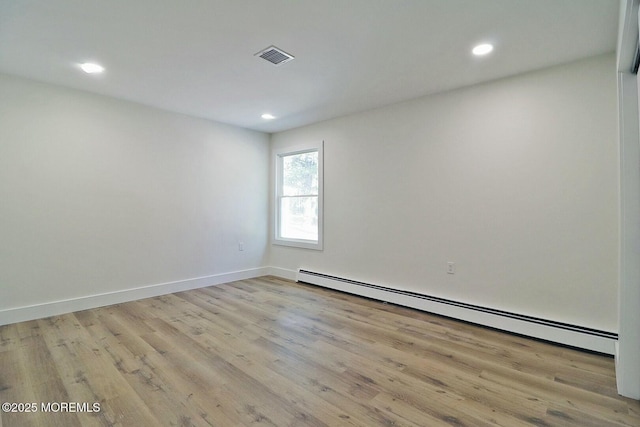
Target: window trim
column 279, row 154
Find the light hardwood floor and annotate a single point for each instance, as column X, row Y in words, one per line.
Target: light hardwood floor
column 269, row 352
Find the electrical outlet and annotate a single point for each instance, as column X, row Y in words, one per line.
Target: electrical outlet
column 451, row 268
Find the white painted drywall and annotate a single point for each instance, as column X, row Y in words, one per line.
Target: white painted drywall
column 515, row 181
column 99, row 195
column 628, row 349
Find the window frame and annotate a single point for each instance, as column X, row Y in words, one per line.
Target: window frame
column 277, row 238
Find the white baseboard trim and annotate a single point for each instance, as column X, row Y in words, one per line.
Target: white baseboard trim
column 283, row 273
column 54, row 308
column 571, row 335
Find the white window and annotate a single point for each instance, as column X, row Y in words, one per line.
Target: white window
column 298, row 204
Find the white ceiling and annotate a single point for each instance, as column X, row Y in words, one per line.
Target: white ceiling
column 197, row 56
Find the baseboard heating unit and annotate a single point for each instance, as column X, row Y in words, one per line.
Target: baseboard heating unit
column 562, row 333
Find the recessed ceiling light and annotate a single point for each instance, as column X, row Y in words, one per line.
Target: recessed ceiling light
column 482, row 49
column 91, row 68
column 268, row 116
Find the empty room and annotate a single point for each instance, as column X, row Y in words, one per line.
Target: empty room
column 319, row 213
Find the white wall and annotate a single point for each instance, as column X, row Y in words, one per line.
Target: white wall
column 99, row 195
column 628, row 350
column 515, row 181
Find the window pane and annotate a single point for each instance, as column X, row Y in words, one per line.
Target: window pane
column 300, row 174
column 299, row 218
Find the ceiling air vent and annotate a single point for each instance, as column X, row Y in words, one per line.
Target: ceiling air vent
column 274, row 55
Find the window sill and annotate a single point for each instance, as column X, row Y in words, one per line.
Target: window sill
column 302, row 244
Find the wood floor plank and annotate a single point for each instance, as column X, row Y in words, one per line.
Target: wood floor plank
column 270, row 352
column 258, row 400
column 590, row 404
column 333, row 386
column 127, row 353
column 252, row 360
column 8, row 337
column 88, row 374
column 193, row 380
